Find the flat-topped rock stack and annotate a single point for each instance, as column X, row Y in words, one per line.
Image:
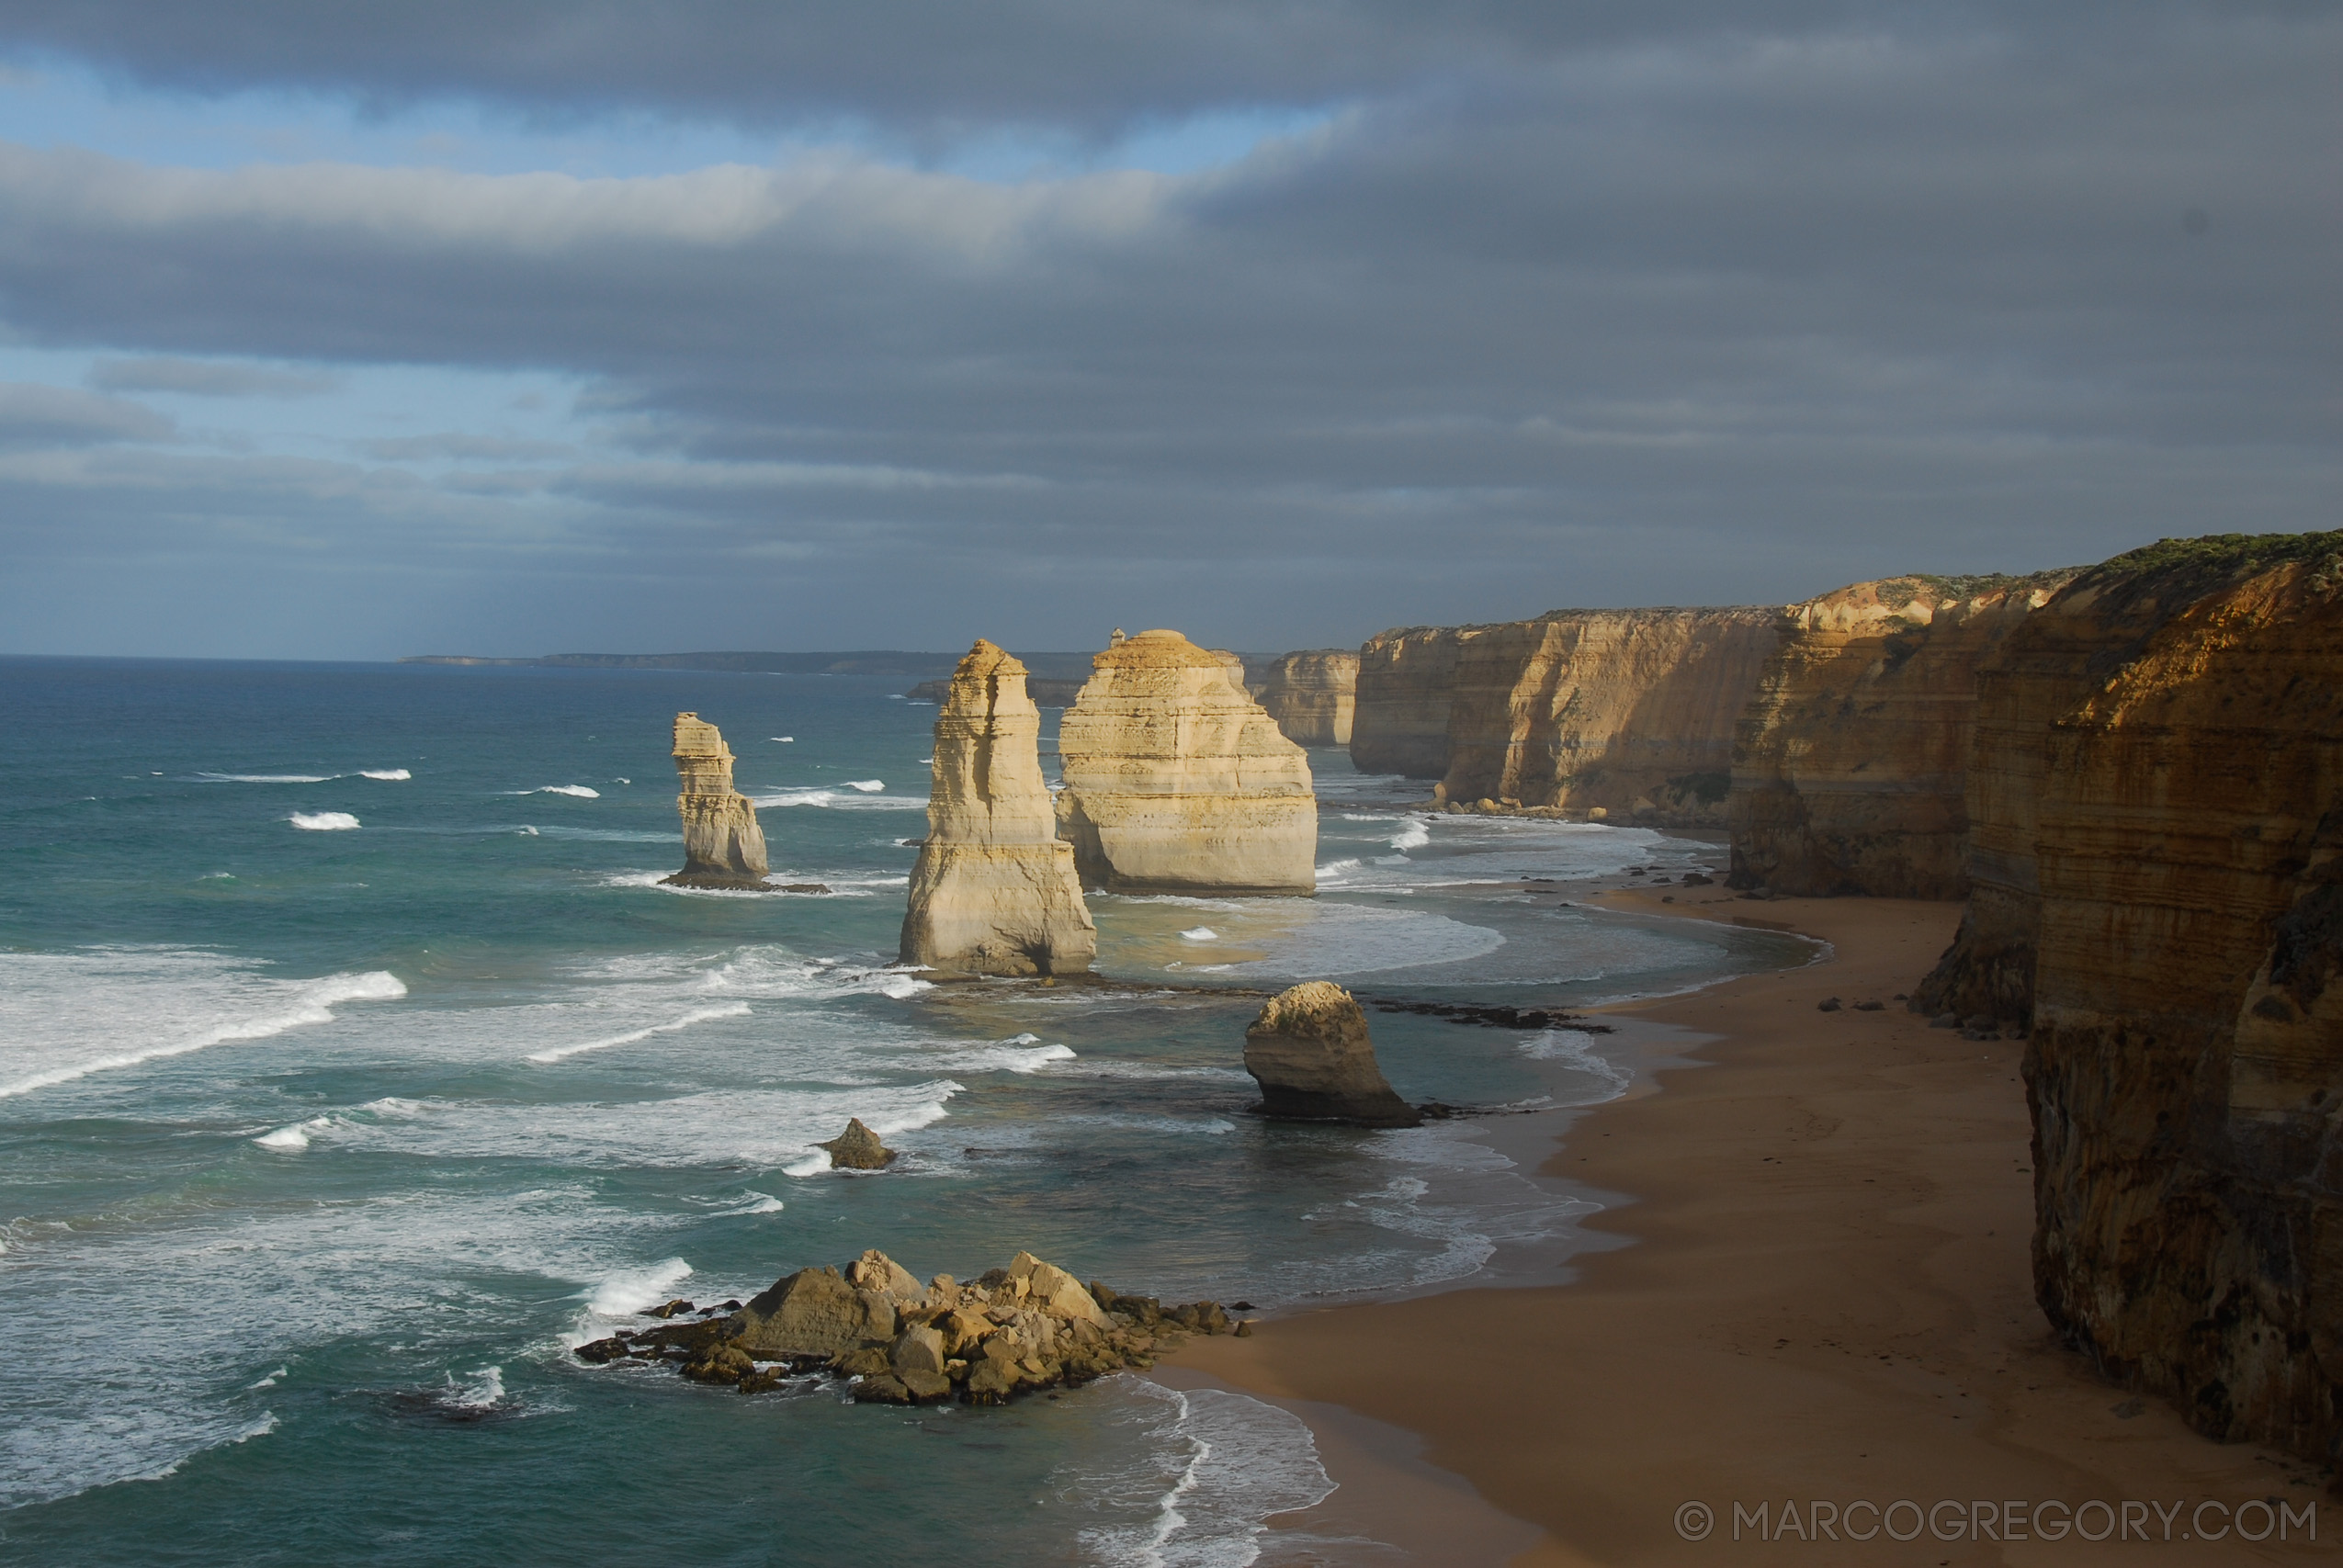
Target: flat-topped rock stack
column 994, row 891
column 723, row 847
column 1176, row 781
column 1011, row 1332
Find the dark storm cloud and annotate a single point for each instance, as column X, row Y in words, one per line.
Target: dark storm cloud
column 1608, row 305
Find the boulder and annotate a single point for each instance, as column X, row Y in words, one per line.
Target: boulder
column 919, row 1350
column 1051, row 1290
column 874, row 1270
column 857, row 1148
column 1310, row 1052
column 814, row 1312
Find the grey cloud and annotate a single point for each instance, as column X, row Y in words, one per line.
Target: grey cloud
column 1093, row 67
column 32, row 415
column 206, row 379
column 1725, row 319
column 457, row 446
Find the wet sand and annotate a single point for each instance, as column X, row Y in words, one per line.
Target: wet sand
column 1826, row 1296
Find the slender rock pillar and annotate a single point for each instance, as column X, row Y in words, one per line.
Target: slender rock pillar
column 723, row 847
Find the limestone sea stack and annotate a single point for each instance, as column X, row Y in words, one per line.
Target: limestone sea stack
column 993, row 892
column 1850, row 764
column 1310, row 695
column 723, row 847
column 857, row 1148
column 1624, row 714
column 1176, row 781
column 2155, row 845
column 1310, row 1052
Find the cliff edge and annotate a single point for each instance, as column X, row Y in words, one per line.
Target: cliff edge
column 2156, row 802
column 1851, row 762
column 1311, row 695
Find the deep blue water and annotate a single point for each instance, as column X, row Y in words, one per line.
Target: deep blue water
column 320, row 1143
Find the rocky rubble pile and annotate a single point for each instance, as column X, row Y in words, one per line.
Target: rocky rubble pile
column 1031, row 1325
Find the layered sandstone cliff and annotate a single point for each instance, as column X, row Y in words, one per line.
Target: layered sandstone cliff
column 1630, row 712
column 1311, row 695
column 1851, row 759
column 1177, row 781
column 723, row 847
column 1402, row 696
column 993, row 892
column 2156, row 802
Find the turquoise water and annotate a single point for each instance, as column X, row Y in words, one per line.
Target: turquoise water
column 353, row 1066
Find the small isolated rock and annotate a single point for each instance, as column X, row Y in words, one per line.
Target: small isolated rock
column 1695, row 879
column 857, row 1148
column 671, row 1309
column 596, row 1352
column 1946, row 1021
column 1827, row 1004
column 1871, row 1007
column 1310, row 1052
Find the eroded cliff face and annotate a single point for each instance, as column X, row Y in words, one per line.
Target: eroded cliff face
column 1851, row 762
column 723, row 847
column 1628, row 712
column 1311, row 695
column 1399, row 712
column 993, row 891
column 1177, row 781
column 2156, row 800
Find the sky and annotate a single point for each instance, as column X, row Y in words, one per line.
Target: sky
column 353, row 333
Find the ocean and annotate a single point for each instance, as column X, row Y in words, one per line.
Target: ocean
column 354, row 1067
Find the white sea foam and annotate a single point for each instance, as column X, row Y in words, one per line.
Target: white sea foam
column 1200, row 933
column 697, row 1015
column 580, row 791
column 64, row 1016
column 863, row 799
column 1415, row 835
column 1216, row 1465
column 1025, row 1054
column 868, row 787
column 268, row 1382
column 784, row 739
column 1576, row 1047
column 295, row 1138
column 752, row 1202
column 267, row 778
column 629, row 1291
column 322, row 821
column 386, row 775
column 525, row 831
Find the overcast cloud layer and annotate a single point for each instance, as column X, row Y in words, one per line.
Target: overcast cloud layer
column 1665, row 303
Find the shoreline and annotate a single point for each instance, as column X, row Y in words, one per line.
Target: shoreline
column 1819, row 1288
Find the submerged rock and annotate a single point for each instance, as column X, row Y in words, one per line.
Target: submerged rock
column 994, row 891
column 857, row 1148
column 1310, row 1052
column 723, row 847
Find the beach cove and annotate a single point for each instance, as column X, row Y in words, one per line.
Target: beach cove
column 1825, row 1219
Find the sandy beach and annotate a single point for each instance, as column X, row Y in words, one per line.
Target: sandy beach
column 1824, row 1297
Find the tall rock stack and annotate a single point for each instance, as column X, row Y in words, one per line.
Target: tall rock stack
column 723, row 847
column 2156, row 800
column 1401, row 696
column 1176, row 781
column 1628, row 712
column 1311, row 695
column 1850, row 768
column 994, row 892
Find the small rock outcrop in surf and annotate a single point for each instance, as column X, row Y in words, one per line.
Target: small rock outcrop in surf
column 994, row 891
column 723, row 847
column 1176, row 781
column 857, row 1148
column 1310, row 1052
